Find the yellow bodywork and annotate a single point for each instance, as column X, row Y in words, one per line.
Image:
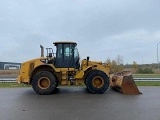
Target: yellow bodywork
column 92, row 65
column 28, row 67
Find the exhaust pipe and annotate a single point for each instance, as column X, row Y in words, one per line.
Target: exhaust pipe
column 42, row 51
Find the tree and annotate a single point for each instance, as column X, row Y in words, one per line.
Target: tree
column 135, row 66
column 116, row 64
column 119, row 60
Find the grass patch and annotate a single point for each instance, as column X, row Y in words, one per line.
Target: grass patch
column 12, row 85
column 143, row 83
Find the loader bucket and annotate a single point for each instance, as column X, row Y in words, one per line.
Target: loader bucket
column 124, row 83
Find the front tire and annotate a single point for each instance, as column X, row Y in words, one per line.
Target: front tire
column 97, row 81
column 44, row 83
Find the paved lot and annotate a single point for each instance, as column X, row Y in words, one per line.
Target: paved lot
column 76, row 103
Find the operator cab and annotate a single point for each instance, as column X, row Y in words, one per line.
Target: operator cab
column 67, row 55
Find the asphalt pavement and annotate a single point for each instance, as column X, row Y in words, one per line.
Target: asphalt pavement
column 75, row 103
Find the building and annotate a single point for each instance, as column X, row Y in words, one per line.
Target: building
column 9, row 65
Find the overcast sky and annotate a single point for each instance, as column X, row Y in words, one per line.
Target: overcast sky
column 102, row 28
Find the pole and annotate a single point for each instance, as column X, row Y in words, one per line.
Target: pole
column 158, row 56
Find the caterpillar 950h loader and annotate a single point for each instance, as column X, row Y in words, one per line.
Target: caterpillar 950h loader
column 64, row 68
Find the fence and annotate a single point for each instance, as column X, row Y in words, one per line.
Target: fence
column 147, row 79
column 8, row 80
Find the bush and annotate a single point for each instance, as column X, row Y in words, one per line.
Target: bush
column 145, row 71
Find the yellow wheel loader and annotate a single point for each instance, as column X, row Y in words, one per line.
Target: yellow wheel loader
column 45, row 74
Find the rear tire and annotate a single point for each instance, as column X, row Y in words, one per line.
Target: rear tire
column 97, row 82
column 44, row 83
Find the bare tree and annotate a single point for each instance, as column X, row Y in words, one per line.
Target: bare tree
column 116, row 64
column 119, row 60
column 135, row 66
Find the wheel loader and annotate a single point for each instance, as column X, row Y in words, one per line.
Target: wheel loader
column 46, row 73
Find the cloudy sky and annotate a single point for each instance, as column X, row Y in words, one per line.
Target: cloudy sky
column 102, row 28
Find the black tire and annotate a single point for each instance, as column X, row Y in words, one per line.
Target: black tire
column 97, row 82
column 57, row 84
column 44, row 83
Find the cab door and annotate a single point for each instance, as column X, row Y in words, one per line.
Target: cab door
column 64, row 56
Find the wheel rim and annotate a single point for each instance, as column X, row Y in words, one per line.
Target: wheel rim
column 44, row 83
column 97, row 82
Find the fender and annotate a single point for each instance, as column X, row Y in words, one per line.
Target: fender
column 44, row 67
column 82, row 73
